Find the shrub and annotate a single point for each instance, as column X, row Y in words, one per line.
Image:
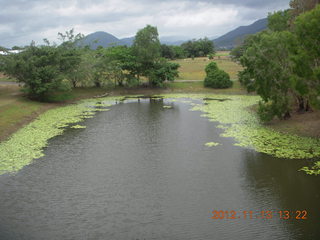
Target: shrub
column 216, row 78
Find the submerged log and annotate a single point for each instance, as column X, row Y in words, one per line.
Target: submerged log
column 101, row 96
column 217, row 99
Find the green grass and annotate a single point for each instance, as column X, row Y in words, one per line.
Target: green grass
column 197, row 87
column 194, row 69
column 6, row 79
column 15, row 110
column 222, row 53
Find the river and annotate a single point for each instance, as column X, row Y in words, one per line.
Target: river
column 142, row 171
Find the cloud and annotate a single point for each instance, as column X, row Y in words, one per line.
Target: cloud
column 24, row 20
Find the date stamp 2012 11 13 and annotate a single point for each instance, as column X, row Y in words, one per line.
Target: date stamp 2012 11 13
column 264, row 214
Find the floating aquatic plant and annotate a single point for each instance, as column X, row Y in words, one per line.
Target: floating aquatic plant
column 314, row 170
column 28, row 143
column 212, row 144
column 78, row 127
column 244, row 126
column 168, row 107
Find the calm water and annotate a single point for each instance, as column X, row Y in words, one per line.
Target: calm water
column 142, row 172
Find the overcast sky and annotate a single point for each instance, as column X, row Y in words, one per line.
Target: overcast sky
column 22, row 21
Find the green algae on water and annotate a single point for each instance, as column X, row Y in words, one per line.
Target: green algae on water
column 27, row 143
column 238, row 122
column 314, row 170
column 167, row 107
column 78, row 127
column 212, row 144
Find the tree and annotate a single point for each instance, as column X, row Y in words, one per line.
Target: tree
column 198, row 48
column 167, row 51
column 146, row 48
column 164, row 71
column 307, row 59
column 121, row 64
column 45, row 70
column 216, row 78
column 178, row 52
column 71, row 57
column 40, row 69
column 279, row 21
column 268, row 71
column 301, row 6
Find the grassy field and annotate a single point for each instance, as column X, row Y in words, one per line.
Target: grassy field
column 197, row 87
column 194, row 69
column 222, row 53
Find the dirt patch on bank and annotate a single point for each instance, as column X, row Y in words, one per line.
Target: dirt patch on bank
column 306, row 124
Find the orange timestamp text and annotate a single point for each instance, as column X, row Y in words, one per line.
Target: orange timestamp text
column 264, row 214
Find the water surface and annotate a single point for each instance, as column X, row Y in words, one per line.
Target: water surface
column 140, row 171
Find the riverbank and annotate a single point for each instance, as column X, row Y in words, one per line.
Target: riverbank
column 16, row 111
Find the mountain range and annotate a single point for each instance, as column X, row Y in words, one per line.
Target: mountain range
column 226, row 41
column 236, row 36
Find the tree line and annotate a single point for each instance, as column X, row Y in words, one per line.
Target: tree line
column 202, row 47
column 282, row 63
column 52, row 70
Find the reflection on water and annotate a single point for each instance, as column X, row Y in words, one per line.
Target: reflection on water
column 141, row 171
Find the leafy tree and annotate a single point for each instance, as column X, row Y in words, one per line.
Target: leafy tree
column 178, row 52
column 279, row 21
column 167, row 51
column 46, row 69
column 238, row 51
column 41, row 69
column 71, row 57
column 147, row 51
column 307, row 60
column 122, row 64
column 301, row 6
column 198, row 48
column 282, row 64
column 164, row 71
column 216, row 78
column 269, row 70
column 146, row 48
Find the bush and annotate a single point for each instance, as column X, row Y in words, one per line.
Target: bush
column 216, row 78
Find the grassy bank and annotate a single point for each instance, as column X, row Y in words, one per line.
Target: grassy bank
column 17, row 110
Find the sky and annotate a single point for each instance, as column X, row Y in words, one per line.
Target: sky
column 22, row 21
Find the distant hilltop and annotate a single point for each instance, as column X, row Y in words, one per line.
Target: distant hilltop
column 105, row 39
column 227, row 41
column 236, row 36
